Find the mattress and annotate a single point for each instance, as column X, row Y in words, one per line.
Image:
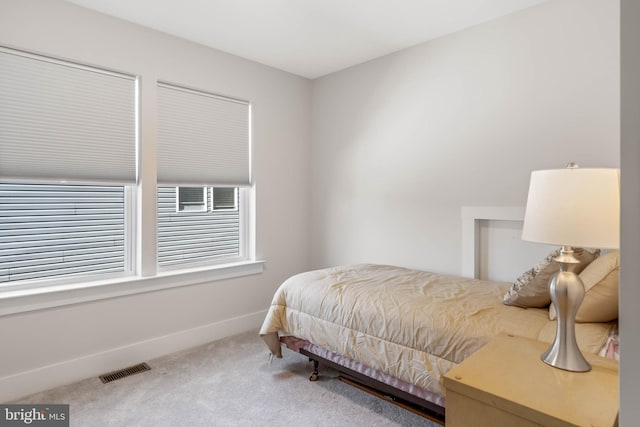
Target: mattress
column 409, row 324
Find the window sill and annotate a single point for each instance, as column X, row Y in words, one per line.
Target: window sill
column 20, row 301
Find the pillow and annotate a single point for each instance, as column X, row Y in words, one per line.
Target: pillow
column 531, row 289
column 600, row 279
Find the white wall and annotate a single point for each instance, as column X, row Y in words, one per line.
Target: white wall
column 401, row 143
column 39, row 348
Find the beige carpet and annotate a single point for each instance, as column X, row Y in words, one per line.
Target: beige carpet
column 226, row 383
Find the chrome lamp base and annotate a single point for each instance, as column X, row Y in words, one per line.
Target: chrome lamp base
column 567, row 292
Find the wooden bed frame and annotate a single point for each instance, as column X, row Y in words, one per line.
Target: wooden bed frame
column 379, row 389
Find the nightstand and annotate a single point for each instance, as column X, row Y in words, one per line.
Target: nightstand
column 505, row 384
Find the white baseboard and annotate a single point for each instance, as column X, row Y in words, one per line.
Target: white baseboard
column 22, row 384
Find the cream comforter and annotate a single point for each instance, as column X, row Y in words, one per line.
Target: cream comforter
column 413, row 325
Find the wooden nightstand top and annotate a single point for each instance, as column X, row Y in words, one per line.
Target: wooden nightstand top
column 508, row 374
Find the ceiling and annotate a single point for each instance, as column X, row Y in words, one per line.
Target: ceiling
column 309, row 38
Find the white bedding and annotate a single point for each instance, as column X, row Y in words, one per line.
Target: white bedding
column 412, row 325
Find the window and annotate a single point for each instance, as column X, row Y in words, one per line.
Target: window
column 224, row 198
column 67, row 162
column 69, row 190
column 202, row 138
column 191, row 199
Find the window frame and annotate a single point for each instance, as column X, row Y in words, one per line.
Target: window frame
column 236, row 200
column 182, row 209
column 141, row 274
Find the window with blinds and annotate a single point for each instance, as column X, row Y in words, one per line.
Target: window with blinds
column 49, row 231
column 203, row 141
column 68, row 173
column 73, row 125
column 195, row 237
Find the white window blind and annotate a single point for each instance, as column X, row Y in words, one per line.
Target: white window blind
column 62, row 121
column 202, row 138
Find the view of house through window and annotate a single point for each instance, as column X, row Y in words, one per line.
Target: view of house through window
column 48, row 231
column 195, row 236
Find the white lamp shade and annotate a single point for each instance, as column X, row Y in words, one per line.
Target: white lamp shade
column 574, row 207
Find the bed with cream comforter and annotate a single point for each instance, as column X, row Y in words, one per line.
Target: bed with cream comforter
column 411, row 325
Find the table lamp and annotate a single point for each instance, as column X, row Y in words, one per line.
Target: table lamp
column 571, row 207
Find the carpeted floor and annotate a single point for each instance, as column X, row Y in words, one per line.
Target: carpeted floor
column 225, row 383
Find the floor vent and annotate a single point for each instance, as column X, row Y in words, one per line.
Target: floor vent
column 121, row 373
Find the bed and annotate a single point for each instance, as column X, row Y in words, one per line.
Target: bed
column 402, row 328
column 397, row 331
